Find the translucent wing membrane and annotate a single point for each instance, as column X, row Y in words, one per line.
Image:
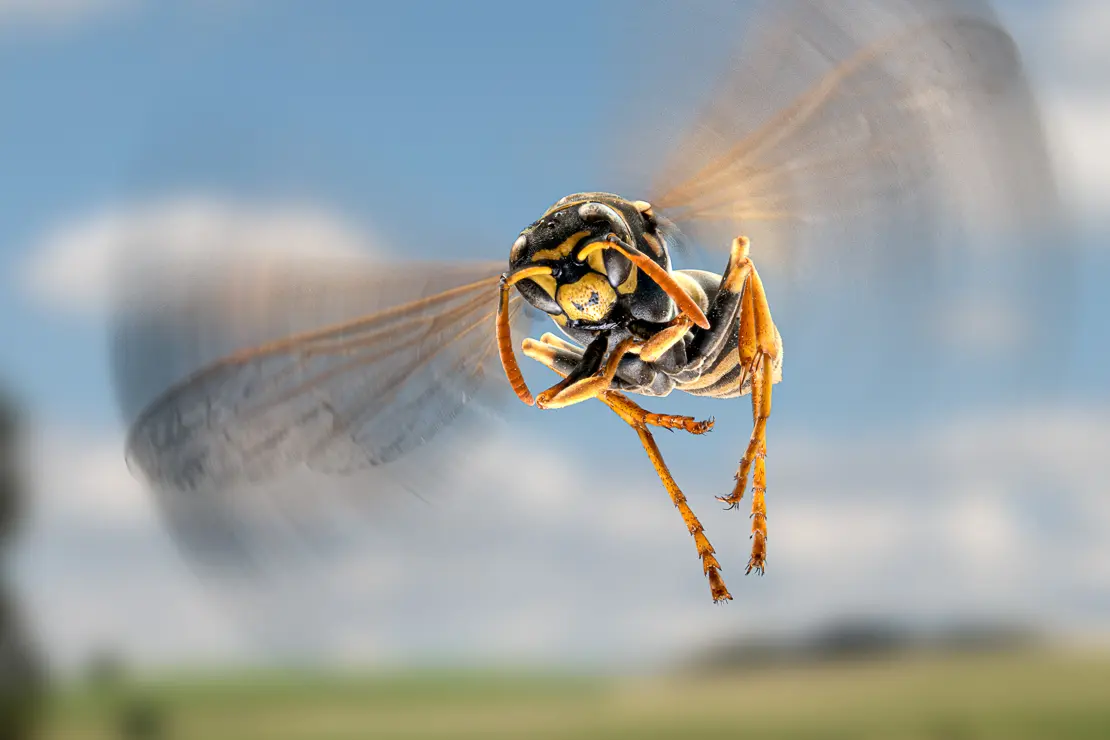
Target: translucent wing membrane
column 337, row 365
column 837, row 110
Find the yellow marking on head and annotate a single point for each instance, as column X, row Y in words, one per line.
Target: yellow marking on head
column 562, row 250
column 526, row 273
column 629, row 284
column 560, row 319
column 596, row 261
column 589, row 299
column 660, row 275
column 547, row 283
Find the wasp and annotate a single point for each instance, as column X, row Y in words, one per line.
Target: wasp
column 600, row 266
column 836, row 111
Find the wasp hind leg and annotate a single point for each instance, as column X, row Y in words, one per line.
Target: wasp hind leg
column 759, row 347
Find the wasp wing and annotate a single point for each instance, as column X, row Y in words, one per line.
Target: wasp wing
column 337, row 365
column 844, row 112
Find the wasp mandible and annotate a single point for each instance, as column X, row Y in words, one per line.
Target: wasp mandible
column 839, row 110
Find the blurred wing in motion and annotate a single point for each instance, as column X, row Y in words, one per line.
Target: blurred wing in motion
column 337, row 365
column 844, row 111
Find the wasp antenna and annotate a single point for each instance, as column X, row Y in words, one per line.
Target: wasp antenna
column 505, row 333
column 662, row 278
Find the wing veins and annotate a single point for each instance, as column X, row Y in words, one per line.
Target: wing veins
column 788, row 121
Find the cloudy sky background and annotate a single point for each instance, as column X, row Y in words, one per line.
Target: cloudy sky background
column 243, row 125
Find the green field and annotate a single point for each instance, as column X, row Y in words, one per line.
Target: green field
column 1034, row 695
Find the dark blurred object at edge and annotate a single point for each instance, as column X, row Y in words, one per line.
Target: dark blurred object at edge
column 22, row 677
column 863, row 639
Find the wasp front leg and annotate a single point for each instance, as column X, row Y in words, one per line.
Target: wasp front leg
column 593, row 375
column 563, row 357
column 759, row 346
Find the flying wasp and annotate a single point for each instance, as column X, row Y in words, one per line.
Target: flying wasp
column 836, row 112
column 600, row 266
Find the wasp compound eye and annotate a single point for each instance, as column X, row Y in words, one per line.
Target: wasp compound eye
column 517, row 252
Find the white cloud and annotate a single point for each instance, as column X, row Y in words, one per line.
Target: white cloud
column 1078, row 122
column 1065, row 46
column 108, row 496
column 95, row 567
column 58, row 13
column 75, row 268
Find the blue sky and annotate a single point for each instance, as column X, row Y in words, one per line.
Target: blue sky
column 436, row 129
column 279, row 103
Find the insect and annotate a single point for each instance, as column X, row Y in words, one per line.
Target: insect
column 836, row 113
column 600, row 266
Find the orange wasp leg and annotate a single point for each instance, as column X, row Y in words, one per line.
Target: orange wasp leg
column 654, row 348
column 683, row 301
column 639, row 419
column 759, row 349
column 565, row 394
column 504, row 333
column 561, row 357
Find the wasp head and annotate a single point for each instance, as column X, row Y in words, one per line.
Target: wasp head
column 584, row 287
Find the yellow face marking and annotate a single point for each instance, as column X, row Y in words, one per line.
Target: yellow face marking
column 562, row 250
column 547, row 283
column 629, row 284
column 589, row 299
column 596, row 262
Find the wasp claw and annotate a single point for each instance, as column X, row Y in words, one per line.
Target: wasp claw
column 717, row 588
